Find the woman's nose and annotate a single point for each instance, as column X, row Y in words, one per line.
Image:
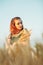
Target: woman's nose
column 20, row 24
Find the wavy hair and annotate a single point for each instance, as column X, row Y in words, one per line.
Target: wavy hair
column 13, row 28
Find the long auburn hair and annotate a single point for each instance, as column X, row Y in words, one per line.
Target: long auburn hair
column 13, row 28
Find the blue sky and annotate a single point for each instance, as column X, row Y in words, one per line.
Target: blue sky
column 31, row 12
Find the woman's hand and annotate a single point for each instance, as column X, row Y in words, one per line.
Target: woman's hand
column 30, row 31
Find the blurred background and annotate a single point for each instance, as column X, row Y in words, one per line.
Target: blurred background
column 30, row 11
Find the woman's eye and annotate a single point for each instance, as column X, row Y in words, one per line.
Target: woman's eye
column 21, row 22
column 18, row 23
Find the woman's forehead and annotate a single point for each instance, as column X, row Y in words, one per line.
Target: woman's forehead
column 17, row 21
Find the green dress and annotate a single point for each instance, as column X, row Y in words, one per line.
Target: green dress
column 14, row 39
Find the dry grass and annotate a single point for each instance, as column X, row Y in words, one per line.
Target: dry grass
column 37, row 59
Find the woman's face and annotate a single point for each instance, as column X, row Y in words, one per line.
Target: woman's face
column 18, row 24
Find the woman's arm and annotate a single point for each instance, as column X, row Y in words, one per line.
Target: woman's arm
column 25, row 37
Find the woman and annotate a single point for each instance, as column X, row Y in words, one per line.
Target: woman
column 18, row 42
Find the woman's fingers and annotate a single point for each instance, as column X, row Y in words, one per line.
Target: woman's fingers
column 30, row 31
